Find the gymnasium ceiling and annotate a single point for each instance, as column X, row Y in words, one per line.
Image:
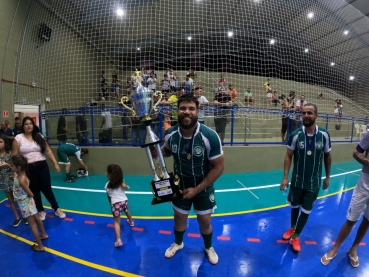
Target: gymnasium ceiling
column 160, row 29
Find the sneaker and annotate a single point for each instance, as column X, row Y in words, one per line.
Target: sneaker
column 60, row 213
column 17, row 222
column 287, row 235
column 42, row 215
column 131, row 224
column 212, row 256
column 171, row 251
column 25, row 221
column 295, row 244
column 70, row 180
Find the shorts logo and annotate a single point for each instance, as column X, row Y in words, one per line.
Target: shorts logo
column 302, row 144
column 211, row 197
column 319, row 145
column 198, row 151
column 174, row 148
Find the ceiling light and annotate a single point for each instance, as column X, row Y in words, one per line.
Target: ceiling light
column 332, row 64
column 120, row 12
column 138, row 48
column 352, row 78
column 306, row 50
column 189, row 38
column 272, row 41
column 310, row 15
column 230, row 34
column 345, row 32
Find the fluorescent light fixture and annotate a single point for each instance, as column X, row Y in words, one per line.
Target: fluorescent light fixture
column 189, row 38
column 310, row 15
column 345, row 32
column 230, row 34
column 138, row 48
column 352, row 78
column 332, row 63
column 272, row 41
column 306, row 50
column 120, row 12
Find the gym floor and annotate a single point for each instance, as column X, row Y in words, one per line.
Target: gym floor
column 247, row 230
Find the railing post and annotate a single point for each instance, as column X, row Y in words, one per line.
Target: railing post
column 92, row 126
column 326, row 122
column 352, row 127
column 232, row 124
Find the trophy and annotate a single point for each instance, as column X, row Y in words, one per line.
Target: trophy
column 165, row 186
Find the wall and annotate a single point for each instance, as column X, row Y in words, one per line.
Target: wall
column 237, row 159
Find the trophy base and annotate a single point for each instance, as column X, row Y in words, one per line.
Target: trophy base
column 165, row 190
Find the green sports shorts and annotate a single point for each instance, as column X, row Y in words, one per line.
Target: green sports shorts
column 304, row 198
column 62, row 157
column 203, row 203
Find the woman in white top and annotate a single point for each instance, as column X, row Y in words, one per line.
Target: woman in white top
column 117, row 198
column 32, row 145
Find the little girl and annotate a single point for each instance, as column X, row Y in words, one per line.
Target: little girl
column 117, row 198
column 6, row 178
column 24, row 197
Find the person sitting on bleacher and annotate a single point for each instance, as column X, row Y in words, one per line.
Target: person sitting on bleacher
column 249, row 98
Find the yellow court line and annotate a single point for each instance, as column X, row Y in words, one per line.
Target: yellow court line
column 74, row 259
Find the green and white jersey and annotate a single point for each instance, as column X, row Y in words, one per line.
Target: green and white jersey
column 70, row 149
column 307, row 169
column 206, row 146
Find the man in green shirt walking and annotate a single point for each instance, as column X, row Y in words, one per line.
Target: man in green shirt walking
column 64, row 151
column 308, row 146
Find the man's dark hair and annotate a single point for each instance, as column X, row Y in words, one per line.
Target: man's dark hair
column 197, row 88
column 188, row 98
column 312, row 105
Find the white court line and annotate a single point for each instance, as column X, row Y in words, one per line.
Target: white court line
column 345, row 170
column 218, row 190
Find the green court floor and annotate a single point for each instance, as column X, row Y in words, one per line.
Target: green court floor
column 87, row 194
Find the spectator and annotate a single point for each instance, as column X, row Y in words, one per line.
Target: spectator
column 6, row 131
column 248, row 97
column 114, row 77
column 191, row 74
column 188, row 84
column 106, row 125
column 138, row 130
column 223, row 103
column 269, row 97
column 202, row 103
column 129, row 86
column 299, row 105
column 170, row 74
column 17, row 127
column 81, row 127
column 275, row 99
column 61, row 133
column 32, row 145
column 151, row 81
column 102, row 78
column 222, row 81
column 233, row 95
column 285, row 115
column 165, row 84
column 173, row 101
column 267, row 85
column 320, row 95
column 104, row 93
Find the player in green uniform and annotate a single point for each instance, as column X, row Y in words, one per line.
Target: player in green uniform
column 308, row 146
column 64, row 151
column 198, row 161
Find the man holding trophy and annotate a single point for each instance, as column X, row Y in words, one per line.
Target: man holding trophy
column 199, row 161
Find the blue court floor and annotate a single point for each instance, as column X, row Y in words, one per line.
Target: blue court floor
column 247, row 238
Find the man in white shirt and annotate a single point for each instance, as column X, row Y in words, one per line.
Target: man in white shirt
column 202, row 102
column 106, row 125
column 299, row 105
column 151, row 81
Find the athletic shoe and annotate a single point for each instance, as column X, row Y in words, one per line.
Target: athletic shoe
column 17, row 222
column 171, row 251
column 60, row 213
column 212, row 256
column 42, row 215
column 288, row 234
column 25, row 221
column 295, row 244
column 70, row 180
